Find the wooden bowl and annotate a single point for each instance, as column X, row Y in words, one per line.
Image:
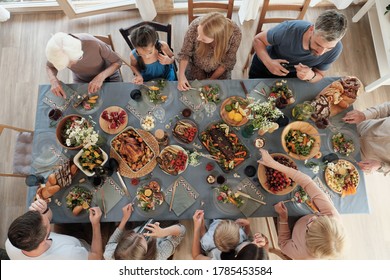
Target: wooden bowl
column 263, row 177
column 224, row 113
column 105, row 125
column 304, row 127
column 60, row 128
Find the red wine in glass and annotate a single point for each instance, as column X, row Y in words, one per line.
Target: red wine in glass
column 221, row 179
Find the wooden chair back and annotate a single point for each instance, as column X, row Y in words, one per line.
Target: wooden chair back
column 198, row 7
column 298, row 9
column 273, row 239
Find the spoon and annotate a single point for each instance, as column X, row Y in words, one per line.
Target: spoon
column 114, row 165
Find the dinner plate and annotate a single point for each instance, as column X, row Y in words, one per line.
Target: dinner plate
column 99, row 102
column 177, row 149
column 228, row 208
column 303, row 206
column 45, row 150
column 184, row 123
column 159, row 209
column 337, row 176
column 349, row 134
column 68, row 212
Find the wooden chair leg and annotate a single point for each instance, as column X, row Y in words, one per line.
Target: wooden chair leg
column 12, row 175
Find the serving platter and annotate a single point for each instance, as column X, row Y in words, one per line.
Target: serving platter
column 119, row 119
column 342, row 177
column 242, row 112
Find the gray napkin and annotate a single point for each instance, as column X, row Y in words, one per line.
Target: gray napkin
column 249, row 206
column 58, row 102
column 139, row 108
column 112, row 195
column 261, row 90
column 185, row 196
column 191, row 98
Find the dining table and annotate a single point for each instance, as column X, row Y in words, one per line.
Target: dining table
column 195, row 177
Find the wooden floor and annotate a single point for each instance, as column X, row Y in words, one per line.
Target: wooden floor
column 22, row 69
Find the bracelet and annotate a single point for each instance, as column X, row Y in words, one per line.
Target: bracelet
column 47, row 210
column 283, row 223
column 315, row 75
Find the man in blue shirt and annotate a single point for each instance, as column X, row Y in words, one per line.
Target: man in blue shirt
column 299, row 49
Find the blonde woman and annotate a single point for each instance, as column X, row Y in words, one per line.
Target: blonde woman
column 314, row 236
column 209, row 50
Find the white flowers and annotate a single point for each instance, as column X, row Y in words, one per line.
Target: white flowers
column 263, row 113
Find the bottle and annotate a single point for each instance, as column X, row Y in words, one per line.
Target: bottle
column 161, row 137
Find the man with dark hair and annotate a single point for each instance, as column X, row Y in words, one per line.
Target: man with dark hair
column 298, row 48
column 30, row 237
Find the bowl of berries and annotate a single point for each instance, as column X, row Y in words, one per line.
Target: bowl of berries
column 113, row 120
column 274, row 181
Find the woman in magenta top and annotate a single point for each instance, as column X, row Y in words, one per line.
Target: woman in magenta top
column 314, row 236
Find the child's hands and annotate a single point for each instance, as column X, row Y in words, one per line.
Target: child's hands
column 164, row 59
column 138, row 80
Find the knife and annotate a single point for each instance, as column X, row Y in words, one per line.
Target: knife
column 249, row 197
column 123, row 185
column 173, row 195
column 244, row 89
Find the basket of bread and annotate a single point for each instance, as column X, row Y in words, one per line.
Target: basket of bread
column 334, row 99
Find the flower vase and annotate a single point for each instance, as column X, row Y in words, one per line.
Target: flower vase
column 248, row 130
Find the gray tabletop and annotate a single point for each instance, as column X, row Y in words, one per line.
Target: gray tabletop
column 119, row 94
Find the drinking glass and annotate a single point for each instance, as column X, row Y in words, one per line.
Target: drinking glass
column 303, row 111
column 210, row 108
column 198, row 116
column 54, row 116
column 159, row 114
column 34, row 180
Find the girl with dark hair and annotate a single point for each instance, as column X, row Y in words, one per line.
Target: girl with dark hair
column 151, row 58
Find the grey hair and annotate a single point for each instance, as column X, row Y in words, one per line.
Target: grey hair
column 62, row 49
column 331, row 25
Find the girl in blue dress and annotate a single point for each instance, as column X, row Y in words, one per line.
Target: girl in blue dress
column 151, row 58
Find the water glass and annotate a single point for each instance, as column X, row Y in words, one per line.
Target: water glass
column 210, row 108
column 159, row 114
column 34, row 180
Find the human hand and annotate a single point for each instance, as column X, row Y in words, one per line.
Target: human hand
column 198, row 219
column 183, row 84
column 164, row 59
column 95, row 84
column 94, row 215
column 242, row 222
column 155, row 230
column 39, row 205
column 127, row 210
column 266, row 158
column 369, row 165
column 276, row 68
column 281, row 209
column 260, row 240
column 57, row 89
column 138, row 80
column 354, row 116
column 304, row 72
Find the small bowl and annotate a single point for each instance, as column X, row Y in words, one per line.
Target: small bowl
column 60, row 128
column 148, row 123
column 76, row 160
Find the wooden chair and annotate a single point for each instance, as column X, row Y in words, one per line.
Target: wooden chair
column 263, row 19
column 197, row 7
column 273, row 239
column 24, row 140
column 159, row 27
column 108, row 40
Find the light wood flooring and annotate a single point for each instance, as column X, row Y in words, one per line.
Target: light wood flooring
column 22, row 69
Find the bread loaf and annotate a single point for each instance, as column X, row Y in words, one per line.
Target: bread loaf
column 77, row 210
column 49, row 191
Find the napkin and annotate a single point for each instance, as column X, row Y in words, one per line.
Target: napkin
column 319, row 184
column 112, row 194
column 185, row 196
column 191, row 98
column 250, row 206
column 139, row 108
column 58, row 102
column 260, row 90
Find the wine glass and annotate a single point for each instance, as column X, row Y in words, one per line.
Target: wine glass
column 210, row 108
column 159, row 114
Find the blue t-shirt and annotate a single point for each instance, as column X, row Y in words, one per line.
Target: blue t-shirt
column 156, row 70
column 286, row 43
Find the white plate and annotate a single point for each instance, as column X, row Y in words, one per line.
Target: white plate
column 77, row 162
column 178, row 148
column 45, row 149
